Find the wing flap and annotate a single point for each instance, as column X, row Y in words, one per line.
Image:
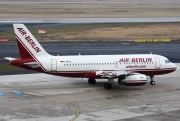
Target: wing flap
column 111, row 74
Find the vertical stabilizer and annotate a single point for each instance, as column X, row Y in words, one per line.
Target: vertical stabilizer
column 28, row 46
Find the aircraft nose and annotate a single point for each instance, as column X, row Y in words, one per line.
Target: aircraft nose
column 174, row 66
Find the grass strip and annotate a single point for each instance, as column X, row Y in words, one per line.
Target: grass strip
column 70, row 28
column 7, row 67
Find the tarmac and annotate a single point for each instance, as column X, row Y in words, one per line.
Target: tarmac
column 42, row 97
column 93, row 2
column 89, row 20
column 37, row 97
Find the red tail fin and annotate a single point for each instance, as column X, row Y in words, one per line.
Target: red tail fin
column 29, row 47
column 24, row 54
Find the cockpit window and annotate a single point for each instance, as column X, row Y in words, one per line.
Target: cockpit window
column 167, row 61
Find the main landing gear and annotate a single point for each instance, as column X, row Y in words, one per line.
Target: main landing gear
column 152, row 82
column 91, row 81
column 108, row 84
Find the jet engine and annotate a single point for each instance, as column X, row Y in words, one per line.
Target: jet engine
column 133, row 80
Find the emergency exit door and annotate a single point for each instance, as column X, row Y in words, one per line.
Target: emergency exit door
column 53, row 65
column 157, row 62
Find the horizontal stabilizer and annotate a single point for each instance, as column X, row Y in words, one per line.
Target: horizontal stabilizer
column 10, row 58
column 32, row 64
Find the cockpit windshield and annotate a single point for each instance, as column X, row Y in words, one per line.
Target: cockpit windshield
column 167, row 61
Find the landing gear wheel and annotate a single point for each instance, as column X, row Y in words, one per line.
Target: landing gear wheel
column 152, row 82
column 92, row 81
column 107, row 85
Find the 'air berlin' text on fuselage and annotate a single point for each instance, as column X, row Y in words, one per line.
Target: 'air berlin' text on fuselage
column 135, row 60
column 29, row 40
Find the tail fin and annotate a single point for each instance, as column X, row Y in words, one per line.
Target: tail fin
column 28, row 46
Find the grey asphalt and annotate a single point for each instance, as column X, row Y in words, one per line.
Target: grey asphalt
column 99, row 2
column 88, row 20
column 54, row 98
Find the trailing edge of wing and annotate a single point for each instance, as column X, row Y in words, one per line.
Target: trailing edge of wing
column 112, row 74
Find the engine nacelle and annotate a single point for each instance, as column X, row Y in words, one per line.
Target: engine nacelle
column 134, row 80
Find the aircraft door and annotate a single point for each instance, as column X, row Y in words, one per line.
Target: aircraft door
column 116, row 64
column 157, row 62
column 53, row 65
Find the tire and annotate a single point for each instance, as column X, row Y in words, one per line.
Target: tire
column 152, row 82
column 92, row 81
column 107, row 85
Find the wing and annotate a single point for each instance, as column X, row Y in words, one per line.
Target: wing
column 112, row 74
column 115, row 74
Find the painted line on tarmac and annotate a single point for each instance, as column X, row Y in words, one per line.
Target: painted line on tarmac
column 63, row 100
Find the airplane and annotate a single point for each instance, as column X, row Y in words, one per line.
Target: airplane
column 129, row 69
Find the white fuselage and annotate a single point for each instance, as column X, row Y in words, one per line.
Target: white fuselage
column 94, row 63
